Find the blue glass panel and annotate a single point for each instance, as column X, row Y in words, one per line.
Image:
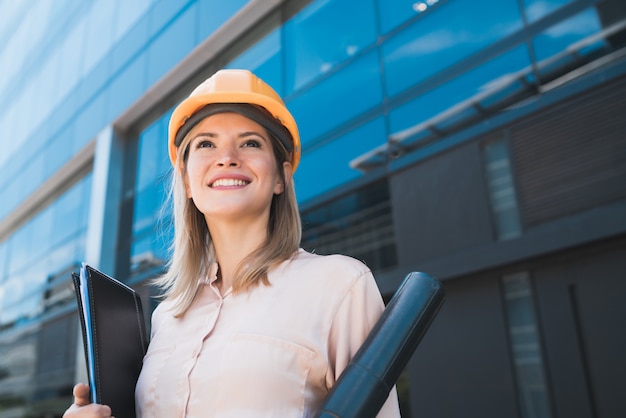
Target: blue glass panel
column 127, row 87
column 152, row 185
column 132, row 41
column 153, row 160
column 85, row 198
column 339, row 98
column 89, row 121
column 163, row 12
column 32, row 174
column 171, row 46
column 323, row 35
column 451, row 32
column 4, row 259
column 265, row 60
column 141, row 246
column 536, row 9
column 93, row 83
column 327, row 167
column 66, row 210
column 560, row 36
column 20, row 246
column 492, row 75
column 154, row 243
column 47, row 98
column 57, row 152
column 213, row 14
column 393, row 13
column 99, row 34
column 128, row 18
column 70, row 63
column 10, row 194
column 148, row 206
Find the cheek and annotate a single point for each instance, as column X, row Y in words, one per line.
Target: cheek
column 194, row 177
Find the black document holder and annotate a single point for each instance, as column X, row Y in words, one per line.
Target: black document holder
column 114, row 338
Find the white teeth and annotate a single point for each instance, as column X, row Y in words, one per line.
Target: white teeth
column 229, row 182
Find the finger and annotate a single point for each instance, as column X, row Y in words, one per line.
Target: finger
column 81, row 394
column 106, row 411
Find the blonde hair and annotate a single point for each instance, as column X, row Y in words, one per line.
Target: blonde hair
column 192, row 248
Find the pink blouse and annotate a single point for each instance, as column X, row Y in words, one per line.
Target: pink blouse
column 272, row 352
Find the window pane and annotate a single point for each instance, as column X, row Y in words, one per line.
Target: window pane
column 536, row 9
column 48, row 243
column 153, row 159
column 501, row 190
column 359, row 224
column 394, row 13
column 150, row 215
column 346, row 94
column 265, row 60
column 327, row 167
column 563, row 36
column 451, row 32
column 526, row 346
column 324, row 35
column 495, row 75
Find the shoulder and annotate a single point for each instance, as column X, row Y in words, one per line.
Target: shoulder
column 340, row 267
column 331, row 275
column 162, row 312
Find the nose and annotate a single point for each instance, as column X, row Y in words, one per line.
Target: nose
column 228, row 157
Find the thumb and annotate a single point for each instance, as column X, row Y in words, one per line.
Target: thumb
column 81, row 394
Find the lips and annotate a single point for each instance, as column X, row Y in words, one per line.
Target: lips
column 228, row 182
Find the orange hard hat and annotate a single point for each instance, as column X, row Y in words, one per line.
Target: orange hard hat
column 234, row 87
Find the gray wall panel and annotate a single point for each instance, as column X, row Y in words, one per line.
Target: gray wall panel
column 462, row 367
column 581, row 303
column 440, row 206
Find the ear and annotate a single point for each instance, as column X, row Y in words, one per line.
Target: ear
column 287, row 172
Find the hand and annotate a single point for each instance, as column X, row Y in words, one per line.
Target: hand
column 82, row 406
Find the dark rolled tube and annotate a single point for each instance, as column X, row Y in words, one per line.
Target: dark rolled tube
column 364, row 385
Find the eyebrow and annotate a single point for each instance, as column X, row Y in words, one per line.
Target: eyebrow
column 241, row 135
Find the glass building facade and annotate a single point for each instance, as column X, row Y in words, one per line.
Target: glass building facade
column 418, row 153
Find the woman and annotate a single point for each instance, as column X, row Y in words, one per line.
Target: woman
column 251, row 325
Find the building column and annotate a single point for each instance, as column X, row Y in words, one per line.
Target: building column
column 104, row 213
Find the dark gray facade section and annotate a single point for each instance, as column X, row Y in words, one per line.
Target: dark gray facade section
column 569, row 165
column 461, row 368
column 581, row 303
column 440, row 206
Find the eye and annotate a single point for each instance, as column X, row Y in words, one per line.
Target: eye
column 203, row 143
column 252, row 143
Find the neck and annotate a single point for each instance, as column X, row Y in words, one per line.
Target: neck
column 234, row 241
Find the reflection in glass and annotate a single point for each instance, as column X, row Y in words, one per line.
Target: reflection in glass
column 559, row 38
column 323, row 35
column 265, row 60
column 151, row 218
column 359, row 224
column 338, row 98
column 491, row 76
column 335, row 157
column 536, row 9
column 394, row 13
column 525, row 344
column 38, row 328
column 451, row 32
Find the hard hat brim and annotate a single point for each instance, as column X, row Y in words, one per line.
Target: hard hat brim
column 192, row 104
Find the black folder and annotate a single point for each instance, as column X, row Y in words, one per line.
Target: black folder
column 114, row 338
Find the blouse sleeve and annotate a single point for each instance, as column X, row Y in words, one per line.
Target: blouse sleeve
column 355, row 317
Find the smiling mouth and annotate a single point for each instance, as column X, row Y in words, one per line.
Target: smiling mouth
column 229, row 183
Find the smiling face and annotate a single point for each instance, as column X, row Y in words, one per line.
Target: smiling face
column 231, row 170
